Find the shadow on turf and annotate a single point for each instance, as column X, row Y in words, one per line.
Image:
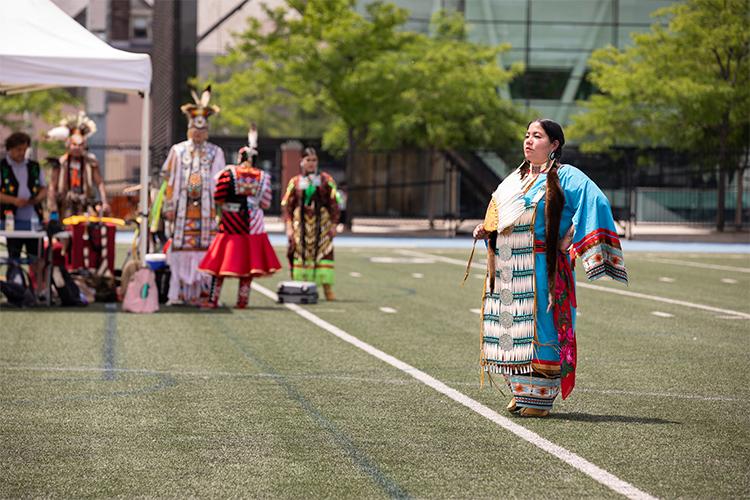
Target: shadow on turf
column 628, row 419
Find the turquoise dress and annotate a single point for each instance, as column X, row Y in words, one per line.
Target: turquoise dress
column 530, row 343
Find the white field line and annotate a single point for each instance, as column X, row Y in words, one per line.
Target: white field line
column 598, row 474
column 659, row 395
column 599, row 288
column 700, row 265
column 330, row 377
column 388, row 310
column 662, row 314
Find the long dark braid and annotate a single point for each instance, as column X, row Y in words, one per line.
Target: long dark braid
column 554, row 200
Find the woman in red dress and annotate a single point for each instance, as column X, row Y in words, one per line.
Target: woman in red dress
column 241, row 248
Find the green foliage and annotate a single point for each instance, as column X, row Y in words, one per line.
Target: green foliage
column 318, row 59
column 683, row 86
column 364, row 80
column 17, row 110
column 453, row 99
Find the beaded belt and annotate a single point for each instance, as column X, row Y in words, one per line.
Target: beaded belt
column 231, row 207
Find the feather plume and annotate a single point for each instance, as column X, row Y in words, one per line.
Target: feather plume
column 85, row 124
column 205, row 97
column 252, row 137
column 59, row 133
column 80, row 122
column 195, row 96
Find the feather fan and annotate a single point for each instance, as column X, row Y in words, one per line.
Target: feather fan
column 509, row 200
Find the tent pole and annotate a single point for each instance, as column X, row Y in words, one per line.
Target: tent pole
column 145, row 166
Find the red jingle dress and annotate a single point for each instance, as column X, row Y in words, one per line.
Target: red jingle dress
column 241, row 248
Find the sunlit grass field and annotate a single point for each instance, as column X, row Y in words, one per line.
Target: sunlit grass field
column 264, row 403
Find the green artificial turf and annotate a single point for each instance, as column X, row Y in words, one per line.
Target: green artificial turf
column 262, row 403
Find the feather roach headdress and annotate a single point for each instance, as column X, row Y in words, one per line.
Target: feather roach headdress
column 199, row 111
column 78, row 127
column 247, row 153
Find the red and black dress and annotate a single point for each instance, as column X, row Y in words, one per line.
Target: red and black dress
column 241, row 190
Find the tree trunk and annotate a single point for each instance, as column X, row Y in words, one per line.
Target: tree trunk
column 738, row 206
column 430, row 207
column 721, row 193
column 349, row 177
column 723, row 160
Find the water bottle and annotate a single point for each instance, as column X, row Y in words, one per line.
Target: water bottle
column 9, row 221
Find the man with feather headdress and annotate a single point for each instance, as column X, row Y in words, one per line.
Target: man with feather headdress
column 190, row 172
column 76, row 179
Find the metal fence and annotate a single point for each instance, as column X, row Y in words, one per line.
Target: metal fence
column 653, row 186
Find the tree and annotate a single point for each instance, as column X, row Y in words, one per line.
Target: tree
column 453, row 99
column 684, row 86
column 373, row 83
column 17, row 110
column 320, row 57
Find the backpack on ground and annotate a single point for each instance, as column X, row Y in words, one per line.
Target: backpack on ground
column 17, row 295
column 66, row 288
column 17, row 287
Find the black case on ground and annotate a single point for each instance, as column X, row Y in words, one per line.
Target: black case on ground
column 297, row 292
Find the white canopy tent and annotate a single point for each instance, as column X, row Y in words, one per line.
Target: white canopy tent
column 42, row 47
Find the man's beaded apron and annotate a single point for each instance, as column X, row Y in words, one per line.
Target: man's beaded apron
column 195, row 163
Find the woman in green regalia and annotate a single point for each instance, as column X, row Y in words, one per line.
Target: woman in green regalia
column 311, row 213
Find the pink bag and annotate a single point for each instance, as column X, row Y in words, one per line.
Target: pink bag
column 141, row 295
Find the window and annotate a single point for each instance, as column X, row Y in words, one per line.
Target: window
column 540, row 83
column 586, row 88
column 141, row 28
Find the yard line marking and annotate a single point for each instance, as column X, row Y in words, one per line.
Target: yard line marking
column 658, row 394
column 662, row 314
column 600, row 288
column 728, row 280
column 476, row 311
column 401, row 260
column 355, row 274
column 598, row 474
column 388, row 310
column 701, row 265
column 344, row 378
column 110, row 340
column 664, row 299
column 666, row 280
column 417, row 275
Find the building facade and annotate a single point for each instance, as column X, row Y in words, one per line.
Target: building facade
column 553, row 39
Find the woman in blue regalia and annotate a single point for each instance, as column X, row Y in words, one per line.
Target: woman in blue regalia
column 540, row 219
